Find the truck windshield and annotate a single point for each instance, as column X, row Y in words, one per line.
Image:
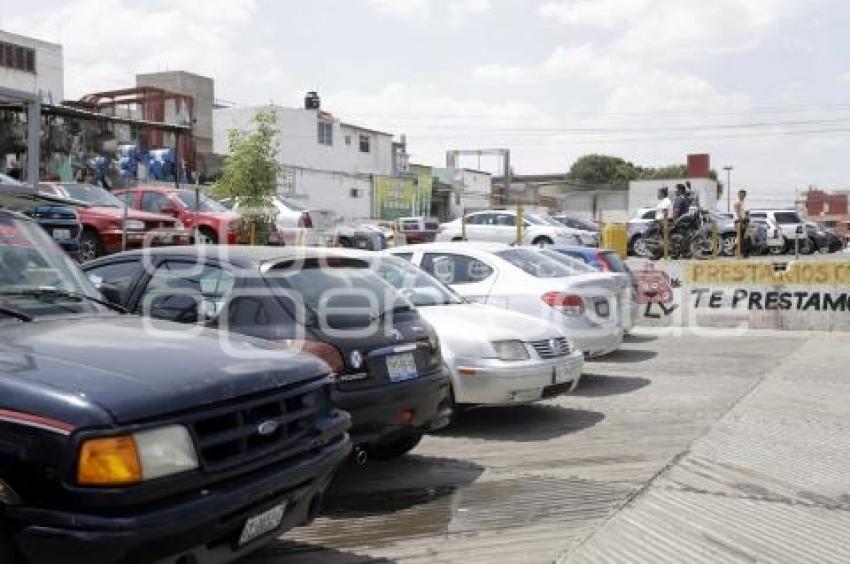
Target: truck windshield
column 36, row 277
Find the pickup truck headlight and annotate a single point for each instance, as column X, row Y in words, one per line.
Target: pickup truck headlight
column 510, row 350
column 134, row 225
column 134, row 458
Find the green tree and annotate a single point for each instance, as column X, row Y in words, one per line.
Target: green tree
column 602, row 170
column 250, row 172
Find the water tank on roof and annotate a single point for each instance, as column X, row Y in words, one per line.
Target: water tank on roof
column 312, row 101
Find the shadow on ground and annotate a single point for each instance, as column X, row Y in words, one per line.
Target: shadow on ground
column 522, row 423
column 597, row 385
column 628, row 355
column 629, row 338
column 292, row 552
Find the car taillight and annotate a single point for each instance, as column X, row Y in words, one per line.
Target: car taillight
column 604, row 265
column 327, row 352
column 304, row 220
column 570, row 304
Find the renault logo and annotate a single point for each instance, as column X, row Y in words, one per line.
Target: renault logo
column 267, row 428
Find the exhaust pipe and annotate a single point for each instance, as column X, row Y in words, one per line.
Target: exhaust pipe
column 360, row 456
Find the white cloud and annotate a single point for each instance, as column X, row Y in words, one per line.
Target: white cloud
column 596, row 13
column 404, row 9
column 201, row 36
column 455, row 12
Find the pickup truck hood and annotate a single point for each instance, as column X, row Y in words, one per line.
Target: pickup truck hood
column 485, row 323
column 113, row 364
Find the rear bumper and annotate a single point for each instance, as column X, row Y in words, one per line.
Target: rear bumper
column 204, row 527
column 512, row 383
column 377, row 414
column 597, row 342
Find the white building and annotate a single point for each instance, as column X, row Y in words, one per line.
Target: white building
column 329, row 166
column 31, row 65
column 471, row 189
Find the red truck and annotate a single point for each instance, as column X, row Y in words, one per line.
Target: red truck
column 102, row 216
column 216, row 223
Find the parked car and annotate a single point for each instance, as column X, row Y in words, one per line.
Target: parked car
column 606, row 260
column 585, row 306
column 495, row 356
column 774, row 241
column 124, row 445
column 367, row 236
column 102, row 218
column 835, row 243
column 386, row 359
column 501, row 226
column 418, row 230
column 587, row 231
column 216, row 224
column 636, row 228
column 791, row 227
column 60, row 222
column 818, row 237
column 293, row 223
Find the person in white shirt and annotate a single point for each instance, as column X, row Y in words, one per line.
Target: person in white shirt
column 664, row 206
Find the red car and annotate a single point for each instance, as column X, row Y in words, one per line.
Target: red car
column 102, row 219
column 216, row 223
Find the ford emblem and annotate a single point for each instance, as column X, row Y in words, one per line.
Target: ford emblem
column 267, row 428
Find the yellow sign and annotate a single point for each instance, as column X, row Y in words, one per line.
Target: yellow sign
column 802, row 273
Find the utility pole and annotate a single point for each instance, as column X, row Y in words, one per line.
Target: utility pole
column 728, row 170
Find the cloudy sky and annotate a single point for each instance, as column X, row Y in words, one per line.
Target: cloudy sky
column 758, row 84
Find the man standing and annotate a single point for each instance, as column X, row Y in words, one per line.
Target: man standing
column 664, row 206
column 742, row 221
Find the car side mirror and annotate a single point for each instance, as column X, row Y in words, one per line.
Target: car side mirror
column 110, row 292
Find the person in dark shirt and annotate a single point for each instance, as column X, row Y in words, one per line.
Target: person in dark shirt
column 682, row 202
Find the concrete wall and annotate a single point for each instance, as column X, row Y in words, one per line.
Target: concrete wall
column 202, row 90
column 474, row 187
column 49, row 77
column 330, row 195
column 743, row 295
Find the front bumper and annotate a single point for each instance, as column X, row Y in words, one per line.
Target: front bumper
column 112, row 240
column 202, row 527
column 495, row 382
column 378, row 414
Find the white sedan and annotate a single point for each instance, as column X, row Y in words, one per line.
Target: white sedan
column 495, row 356
column 585, row 305
column 501, row 226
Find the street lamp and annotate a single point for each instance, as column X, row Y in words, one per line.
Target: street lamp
column 728, row 170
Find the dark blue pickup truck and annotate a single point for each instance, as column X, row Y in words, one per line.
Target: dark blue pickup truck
column 118, row 444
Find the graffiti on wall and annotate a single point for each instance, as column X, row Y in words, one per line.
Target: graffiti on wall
column 655, row 290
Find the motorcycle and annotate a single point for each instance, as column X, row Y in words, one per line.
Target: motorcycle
column 689, row 236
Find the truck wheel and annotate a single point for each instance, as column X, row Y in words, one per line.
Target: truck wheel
column 396, row 448
column 90, row 247
column 206, row 236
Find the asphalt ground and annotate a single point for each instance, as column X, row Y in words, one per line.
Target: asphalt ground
column 675, row 448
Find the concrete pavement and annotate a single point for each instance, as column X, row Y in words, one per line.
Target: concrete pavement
column 669, row 451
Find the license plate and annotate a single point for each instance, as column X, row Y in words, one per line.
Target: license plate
column 263, row 523
column 61, row 234
column 402, row 367
column 602, row 309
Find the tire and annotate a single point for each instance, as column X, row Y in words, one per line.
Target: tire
column 728, row 245
column 639, row 248
column 697, row 251
column 90, row 247
column 807, row 247
column 346, row 243
column 542, row 241
column 207, row 236
column 395, row 448
column 457, row 239
column 776, row 250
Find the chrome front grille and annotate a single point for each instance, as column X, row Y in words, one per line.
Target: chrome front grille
column 552, row 348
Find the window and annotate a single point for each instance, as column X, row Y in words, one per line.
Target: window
column 478, row 219
column 17, row 57
column 505, row 220
column 648, row 215
column 364, row 143
column 186, row 292
column 326, row 133
column 155, row 202
column 455, row 269
column 348, row 139
column 536, row 264
column 785, row 218
column 404, row 256
column 120, row 276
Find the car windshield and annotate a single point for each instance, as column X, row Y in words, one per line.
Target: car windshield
column 415, row 284
column 538, row 219
column 94, row 195
column 575, row 265
column 536, row 263
column 36, row 277
column 321, row 284
column 204, row 204
column 785, row 218
column 579, row 223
